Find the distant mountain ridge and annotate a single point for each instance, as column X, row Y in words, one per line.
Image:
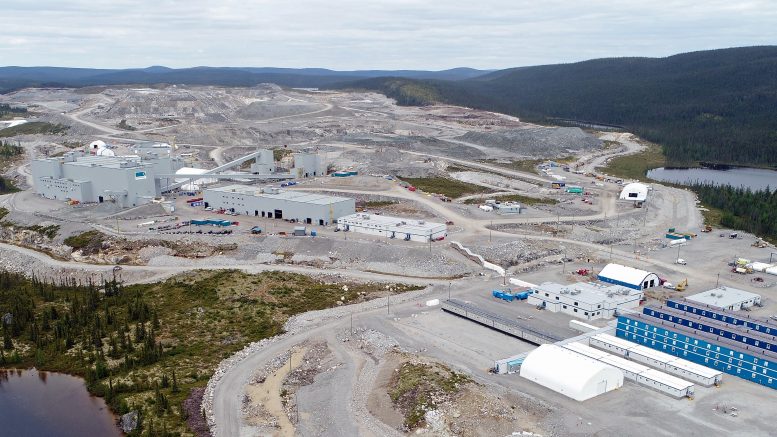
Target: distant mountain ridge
column 13, row 77
column 717, row 106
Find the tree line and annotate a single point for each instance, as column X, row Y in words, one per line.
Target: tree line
column 742, row 208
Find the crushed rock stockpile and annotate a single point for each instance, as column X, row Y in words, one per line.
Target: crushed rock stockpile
column 536, row 142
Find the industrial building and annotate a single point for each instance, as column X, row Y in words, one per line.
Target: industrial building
column 726, row 298
column 569, row 373
column 274, row 203
column 584, row 299
column 393, row 227
column 127, row 181
column 264, row 163
column 628, row 277
column 308, row 165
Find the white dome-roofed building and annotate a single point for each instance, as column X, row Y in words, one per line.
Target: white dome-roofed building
column 636, row 192
column 99, row 148
column 569, row 373
column 630, row 277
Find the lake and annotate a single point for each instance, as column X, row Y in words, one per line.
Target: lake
column 754, row 178
column 34, row 403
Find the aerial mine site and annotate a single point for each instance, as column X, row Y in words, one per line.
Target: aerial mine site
column 329, row 263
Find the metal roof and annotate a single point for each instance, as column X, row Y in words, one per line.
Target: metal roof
column 389, row 223
column 289, row 196
column 591, row 293
column 724, row 297
column 625, row 274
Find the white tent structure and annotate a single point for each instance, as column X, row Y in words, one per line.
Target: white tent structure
column 569, row 373
column 628, row 277
column 195, row 184
column 99, row 148
column 635, row 192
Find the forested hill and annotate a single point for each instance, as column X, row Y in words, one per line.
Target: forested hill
column 715, row 106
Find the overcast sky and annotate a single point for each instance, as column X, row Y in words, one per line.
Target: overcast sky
column 370, row 34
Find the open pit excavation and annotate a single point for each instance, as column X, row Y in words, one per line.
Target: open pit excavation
column 332, row 228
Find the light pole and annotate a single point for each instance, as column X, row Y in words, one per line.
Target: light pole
column 564, row 259
column 449, row 291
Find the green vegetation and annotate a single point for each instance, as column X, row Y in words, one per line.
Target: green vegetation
column 740, row 208
column 445, row 186
column 417, row 386
column 717, row 106
column 7, row 186
column 88, row 239
column 34, row 127
column 281, row 153
column 637, row 165
column 49, row 231
column 8, row 112
column 8, row 152
column 125, row 126
column 144, row 347
column 520, row 198
column 379, row 203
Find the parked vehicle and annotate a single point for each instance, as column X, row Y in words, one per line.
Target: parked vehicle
column 680, row 261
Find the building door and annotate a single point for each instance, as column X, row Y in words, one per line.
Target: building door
column 256, row 213
column 269, row 214
column 278, row 214
column 263, row 214
column 602, row 387
column 321, row 222
column 100, row 199
column 309, row 220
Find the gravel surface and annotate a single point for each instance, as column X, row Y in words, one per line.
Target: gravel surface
column 536, row 142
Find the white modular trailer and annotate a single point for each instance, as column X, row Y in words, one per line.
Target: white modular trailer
column 393, row 227
column 585, row 300
column 273, row 203
column 569, row 373
column 660, row 360
column 637, row 372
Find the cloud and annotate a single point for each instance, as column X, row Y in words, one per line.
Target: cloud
column 366, row 34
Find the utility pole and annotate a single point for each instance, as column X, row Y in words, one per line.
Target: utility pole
column 388, row 304
column 351, row 323
column 717, row 282
column 449, row 291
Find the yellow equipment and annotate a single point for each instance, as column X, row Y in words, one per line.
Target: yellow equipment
column 681, row 285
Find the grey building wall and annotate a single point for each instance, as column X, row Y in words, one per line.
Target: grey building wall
column 265, row 163
column 308, row 165
column 65, row 179
column 270, row 206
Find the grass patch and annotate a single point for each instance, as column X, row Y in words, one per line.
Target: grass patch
column 379, row 203
column 446, row 186
column 520, row 198
column 636, row 166
column 34, row 127
column 416, row 388
column 280, row 153
column 93, row 239
column 146, row 346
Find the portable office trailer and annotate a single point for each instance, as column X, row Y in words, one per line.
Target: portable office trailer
column 660, row 360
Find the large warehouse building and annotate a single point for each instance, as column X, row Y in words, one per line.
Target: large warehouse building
column 273, row 203
column 127, row 181
column 628, row 277
column 393, row 227
column 569, row 373
column 726, row 298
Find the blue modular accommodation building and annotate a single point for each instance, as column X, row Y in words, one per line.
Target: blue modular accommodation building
column 761, row 325
column 720, row 329
column 735, row 358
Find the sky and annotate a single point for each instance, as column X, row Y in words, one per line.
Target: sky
column 370, row 34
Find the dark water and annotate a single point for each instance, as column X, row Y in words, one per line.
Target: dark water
column 43, row 404
column 754, row 178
